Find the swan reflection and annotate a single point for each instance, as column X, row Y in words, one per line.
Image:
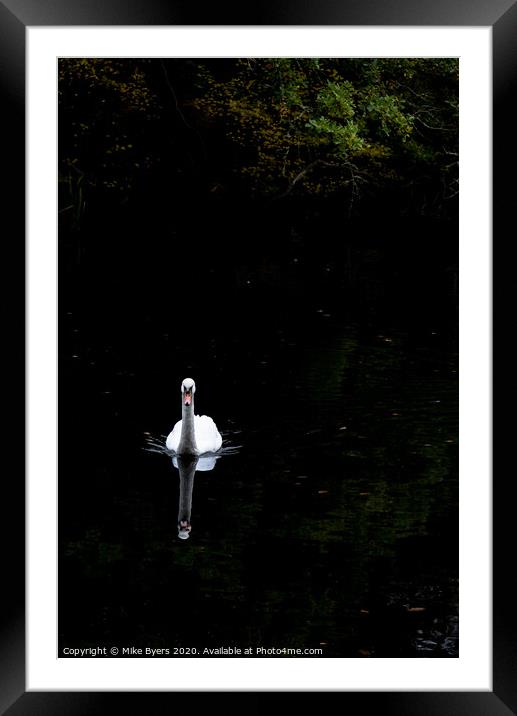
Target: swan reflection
column 187, row 465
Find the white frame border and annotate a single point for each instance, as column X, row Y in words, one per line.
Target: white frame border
column 472, row 670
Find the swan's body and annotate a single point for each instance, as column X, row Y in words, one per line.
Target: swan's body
column 193, row 434
column 207, row 437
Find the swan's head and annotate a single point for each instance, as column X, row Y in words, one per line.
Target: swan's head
column 188, row 388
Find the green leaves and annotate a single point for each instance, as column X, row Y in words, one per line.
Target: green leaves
column 386, row 112
column 274, row 126
column 336, row 100
column 331, row 126
column 345, row 137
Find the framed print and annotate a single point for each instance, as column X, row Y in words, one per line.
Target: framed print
column 286, row 218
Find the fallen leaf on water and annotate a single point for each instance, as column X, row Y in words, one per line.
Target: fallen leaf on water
column 416, row 609
column 364, row 652
column 322, row 492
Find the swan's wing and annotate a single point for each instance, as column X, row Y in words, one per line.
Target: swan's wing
column 173, row 438
column 208, row 438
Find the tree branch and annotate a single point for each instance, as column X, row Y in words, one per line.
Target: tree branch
column 307, row 169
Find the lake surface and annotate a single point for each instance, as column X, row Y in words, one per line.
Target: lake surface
column 329, row 521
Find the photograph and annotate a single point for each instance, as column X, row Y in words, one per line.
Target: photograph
column 250, row 271
column 258, row 291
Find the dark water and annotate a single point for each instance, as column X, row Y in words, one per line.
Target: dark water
column 330, row 520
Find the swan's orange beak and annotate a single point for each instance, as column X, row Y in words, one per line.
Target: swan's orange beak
column 187, row 397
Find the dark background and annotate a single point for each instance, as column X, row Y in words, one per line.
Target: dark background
column 321, row 329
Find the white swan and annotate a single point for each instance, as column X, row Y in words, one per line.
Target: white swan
column 193, row 434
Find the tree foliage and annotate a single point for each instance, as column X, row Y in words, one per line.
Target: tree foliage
column 351, row 128
column 321, row 126
column 105, row 106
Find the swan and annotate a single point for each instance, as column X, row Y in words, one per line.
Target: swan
column 193, row 434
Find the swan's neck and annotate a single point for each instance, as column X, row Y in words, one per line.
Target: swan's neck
column 187, row 444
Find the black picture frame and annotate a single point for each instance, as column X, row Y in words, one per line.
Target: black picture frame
column 15, row 16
